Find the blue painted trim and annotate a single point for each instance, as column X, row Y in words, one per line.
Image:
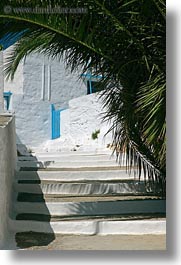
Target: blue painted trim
column 9, row 39
column 55, row 122
column 52, row 120
column 89, row 76
column 7, row 96
column 90, row 86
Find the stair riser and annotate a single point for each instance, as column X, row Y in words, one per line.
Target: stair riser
column 92, row 180
column 91, row 227
column 68, row 158
column 67, row 164
column 92, row 208
column 97, row 152
column 80, row 189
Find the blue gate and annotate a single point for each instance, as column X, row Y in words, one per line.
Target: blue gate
column 55, row 122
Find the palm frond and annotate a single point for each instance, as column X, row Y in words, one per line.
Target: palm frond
column 124, row 41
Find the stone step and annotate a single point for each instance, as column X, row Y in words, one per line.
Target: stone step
column 116, row 174
column 29, row 197
column 68, row 158
column 48, row 241
column 92, row 208
column 123, row 217
column 91, row 227
column 73, row 153
column 84, row 193
column 67, row 164
column 78, row 169
column 95, row 188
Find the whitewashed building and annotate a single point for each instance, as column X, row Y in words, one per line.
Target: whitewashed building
column 52, row 105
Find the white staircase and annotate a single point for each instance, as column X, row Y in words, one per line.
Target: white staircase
column 83, row 193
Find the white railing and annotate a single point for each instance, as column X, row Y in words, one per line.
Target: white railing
column 7, row 171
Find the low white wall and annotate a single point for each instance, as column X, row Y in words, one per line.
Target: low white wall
column 7, row 168
column 83, row 118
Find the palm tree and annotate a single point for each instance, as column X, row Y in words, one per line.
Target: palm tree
column 122, row 40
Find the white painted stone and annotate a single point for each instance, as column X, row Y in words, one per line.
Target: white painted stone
column 67, row 164
column 33, row 123
column 92, row 208
column 69, row 157
column 92, row 227
column 84, row 189
column 79, row 122
column 65, row 122
column 86, row 118
column 7, row 170
column 69, row 160
column 15, row 86
column 74, row 227
column 68, row 176
column 132, row 227
column 55, row 153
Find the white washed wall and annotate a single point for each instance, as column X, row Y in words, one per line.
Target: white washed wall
column 7, row 169
column 16, row 87
column 33, row 122
column 83, row 117
column 38, row 83
column 48, row 80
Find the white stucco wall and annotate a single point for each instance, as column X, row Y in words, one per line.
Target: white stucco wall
column 38, row 83
column 33, row 122
column 83, row 117
column 7, row 168
column 86, row 114
column 16, row 87
column 47, row 80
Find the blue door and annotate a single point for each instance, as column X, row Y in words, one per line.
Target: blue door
column 55, row 122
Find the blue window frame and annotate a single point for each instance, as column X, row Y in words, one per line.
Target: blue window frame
column 7, row 97
column 92, row 81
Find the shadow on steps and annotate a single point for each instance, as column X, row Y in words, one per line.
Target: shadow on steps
column 33, row 239
column 27, row 239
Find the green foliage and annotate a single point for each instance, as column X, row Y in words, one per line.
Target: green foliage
column 125, row 42
column 95, row 134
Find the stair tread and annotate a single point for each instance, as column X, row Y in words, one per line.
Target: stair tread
column 92, row 207
column 82, row 193
column 47, row 241
column 75, row 175
column 78, row 168
column 118, row 217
